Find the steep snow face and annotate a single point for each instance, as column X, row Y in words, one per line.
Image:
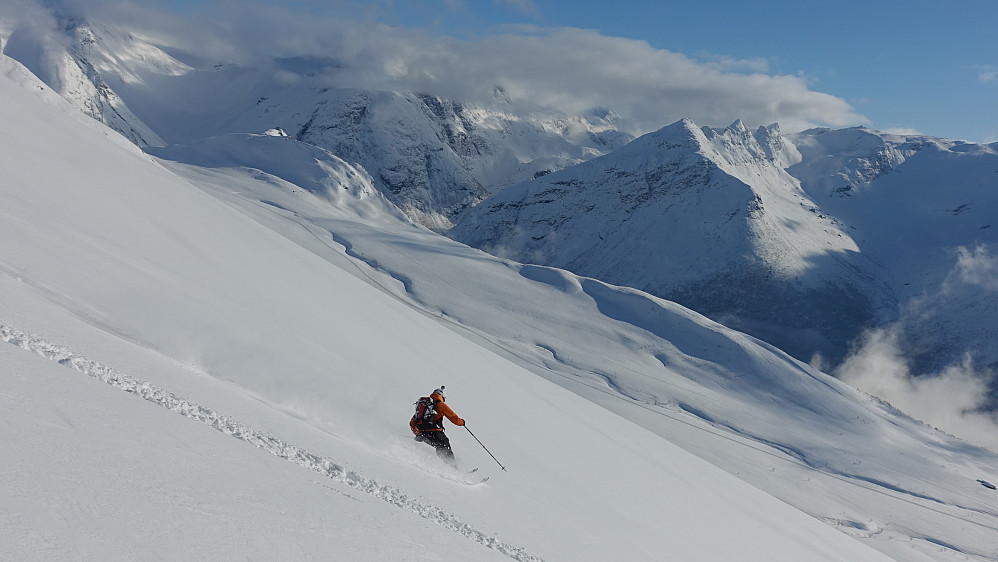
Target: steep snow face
column 840, row 161
column 126, row 56
column 498, row 146
column 77, row 73
column 707, row 218
column 903, row 195
column 416, row 161
column 926, row 209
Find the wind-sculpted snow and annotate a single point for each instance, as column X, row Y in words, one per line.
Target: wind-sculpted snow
column 269, row 443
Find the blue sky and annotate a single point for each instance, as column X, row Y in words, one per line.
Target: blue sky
column 925, row 65
column 918, row 65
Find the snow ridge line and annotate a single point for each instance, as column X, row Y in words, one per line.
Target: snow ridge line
column 260, row 440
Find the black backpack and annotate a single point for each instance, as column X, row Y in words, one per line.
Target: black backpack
column 425, row 412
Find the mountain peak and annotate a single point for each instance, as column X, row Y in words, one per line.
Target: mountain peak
column 501, row 95
column 681, row 134
column 733, row 144
column 738, row 126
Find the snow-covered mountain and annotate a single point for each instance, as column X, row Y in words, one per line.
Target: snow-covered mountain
column 707, row 218
column 76, row 71
column 264, row 290
column 925, row 209
column 802, row 241
column 431, row 156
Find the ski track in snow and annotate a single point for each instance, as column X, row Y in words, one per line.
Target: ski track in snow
column 269, row 443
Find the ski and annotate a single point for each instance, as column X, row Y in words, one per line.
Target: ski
column 472, row 481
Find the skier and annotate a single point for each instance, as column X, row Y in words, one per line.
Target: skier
column 427, row 424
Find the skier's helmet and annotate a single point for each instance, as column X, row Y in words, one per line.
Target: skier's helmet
column 440, row 391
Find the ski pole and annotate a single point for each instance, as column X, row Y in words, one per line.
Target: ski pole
column 486, row 448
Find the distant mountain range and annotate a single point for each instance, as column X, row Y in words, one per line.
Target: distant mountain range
column 803, row 240
column 432, row 157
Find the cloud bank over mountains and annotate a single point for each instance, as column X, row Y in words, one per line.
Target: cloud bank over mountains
column 955, row 397
column 572, row 70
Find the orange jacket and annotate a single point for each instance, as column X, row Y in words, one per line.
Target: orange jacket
column 443, row 410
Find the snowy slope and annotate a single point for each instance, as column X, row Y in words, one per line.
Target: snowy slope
column 103, row 476
column 707, row 218
column 115, row 267
column 673, row 372
column 318, row 319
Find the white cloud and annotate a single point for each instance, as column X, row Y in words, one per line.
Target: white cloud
column 523, row 6
column 977, row 267
column 951, row 400
column 567, row 69
column 30, row 33
column 988, row 74
column 902, row 131
column 731, row 64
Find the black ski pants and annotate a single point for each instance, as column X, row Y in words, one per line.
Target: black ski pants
column 440, row 442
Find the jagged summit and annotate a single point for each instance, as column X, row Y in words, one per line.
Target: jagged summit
column 765, row 142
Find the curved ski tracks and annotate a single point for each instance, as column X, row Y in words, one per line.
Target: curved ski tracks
column 260, row 440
